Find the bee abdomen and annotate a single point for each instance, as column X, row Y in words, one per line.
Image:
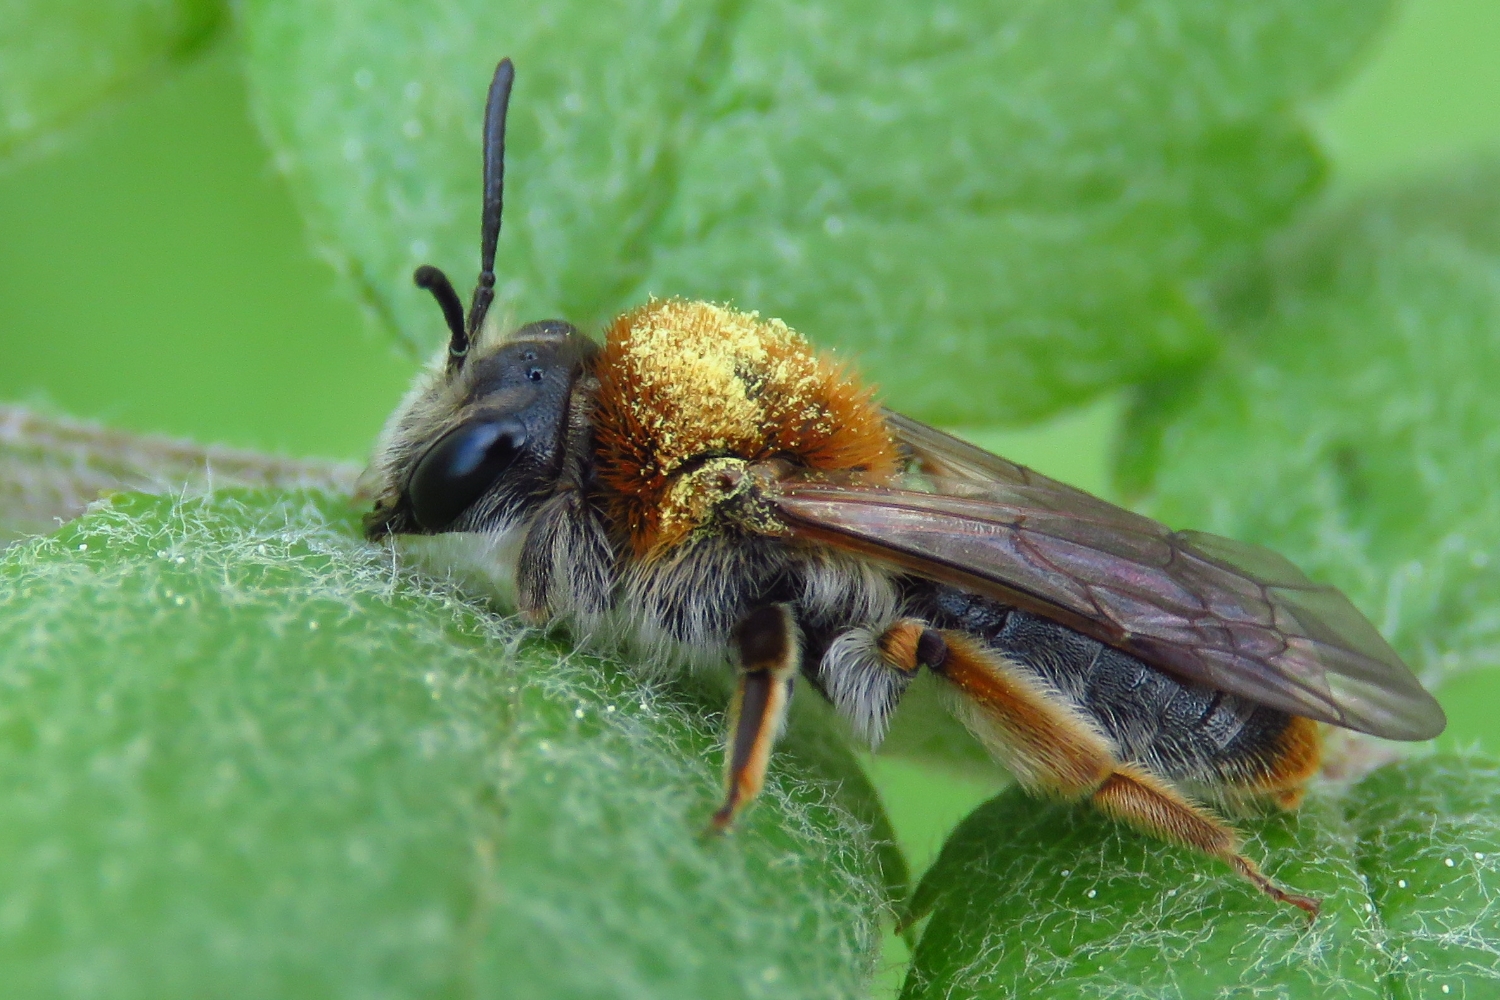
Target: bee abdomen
column 1179, row 729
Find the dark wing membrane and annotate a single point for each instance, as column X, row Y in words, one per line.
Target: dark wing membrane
column 1236, row 617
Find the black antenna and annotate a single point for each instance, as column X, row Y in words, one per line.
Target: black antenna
column 494, row 191
column 434, row 280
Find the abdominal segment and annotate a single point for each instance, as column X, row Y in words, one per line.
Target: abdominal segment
column 1179, row 730
column 1073, row 718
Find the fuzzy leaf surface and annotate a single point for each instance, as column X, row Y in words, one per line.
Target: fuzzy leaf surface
column 52, row 467
column 1003, row 208
column 1057, row 901
column 60, row 58
column 1429, row 830
column 243, row 753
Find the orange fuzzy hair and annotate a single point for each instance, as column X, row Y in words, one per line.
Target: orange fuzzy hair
column 1299, row 753
column 683, row 381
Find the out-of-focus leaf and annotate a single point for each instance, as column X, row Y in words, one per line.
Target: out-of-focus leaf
column 1472, row 700
column 1004, row 207
column 1056, row 901
column 243, row 753
column 51, row 468
column 1353, row 422
column 59, row 58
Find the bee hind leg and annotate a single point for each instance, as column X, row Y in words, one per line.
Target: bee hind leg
column 768, row 647
column 1138, row 798
column 1051, row 748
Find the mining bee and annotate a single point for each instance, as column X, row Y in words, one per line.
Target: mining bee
column 707, row 488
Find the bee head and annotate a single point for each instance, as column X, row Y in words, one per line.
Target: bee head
column 484, row 435
column 479, row 445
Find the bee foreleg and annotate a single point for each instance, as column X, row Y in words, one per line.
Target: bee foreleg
column 1138, row 798
column 768, row 646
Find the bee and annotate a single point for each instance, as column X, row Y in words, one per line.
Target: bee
column 707, row 488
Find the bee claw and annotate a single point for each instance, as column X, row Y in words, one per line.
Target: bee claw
column 719, row 825
column 1312, row 907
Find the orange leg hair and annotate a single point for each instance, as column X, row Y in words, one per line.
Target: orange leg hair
column 769, row 646
column 1138, row 798
column 1053, row 748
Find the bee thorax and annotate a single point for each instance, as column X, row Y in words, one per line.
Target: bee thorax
column 688, row 389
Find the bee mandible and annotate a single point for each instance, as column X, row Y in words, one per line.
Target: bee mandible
column 707, row 488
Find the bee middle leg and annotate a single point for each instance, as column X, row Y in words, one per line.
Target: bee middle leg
column 1051, row 747
column 768, row 646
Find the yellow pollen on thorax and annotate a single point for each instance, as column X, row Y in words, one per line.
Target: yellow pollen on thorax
column 702, row 379
column 694, row 495
column 693, row 397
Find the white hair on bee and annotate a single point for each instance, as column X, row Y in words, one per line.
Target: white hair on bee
column 861, row 683
column 566, row 563
column 839, row 587
column 677, row 611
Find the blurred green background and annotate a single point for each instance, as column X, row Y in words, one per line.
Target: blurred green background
column 154, row 274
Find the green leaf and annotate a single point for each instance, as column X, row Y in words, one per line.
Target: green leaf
column 60, row 58
column 1351, row 422
column 242, row 753
column 1048, row 900
column 1003, row 207
column 1056, row 901
column 1429, row 832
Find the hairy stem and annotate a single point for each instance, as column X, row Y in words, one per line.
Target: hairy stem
column 52, row 468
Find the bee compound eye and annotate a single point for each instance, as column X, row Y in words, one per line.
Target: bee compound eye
column 460, row 468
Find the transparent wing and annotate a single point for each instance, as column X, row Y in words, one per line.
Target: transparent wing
column 1236, row 617
column 939, row 453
